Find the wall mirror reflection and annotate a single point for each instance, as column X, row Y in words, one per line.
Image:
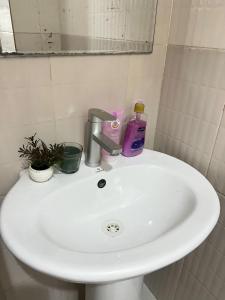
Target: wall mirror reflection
column 76, row 26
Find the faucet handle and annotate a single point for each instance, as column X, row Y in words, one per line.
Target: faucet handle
column 96, row 115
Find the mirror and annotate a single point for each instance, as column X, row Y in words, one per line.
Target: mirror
column 31, row 27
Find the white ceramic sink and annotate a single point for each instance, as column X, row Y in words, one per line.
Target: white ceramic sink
column 153, row 211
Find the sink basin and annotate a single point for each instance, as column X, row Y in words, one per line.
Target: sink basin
column 152, row 211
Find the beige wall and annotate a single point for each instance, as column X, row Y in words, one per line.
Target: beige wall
column 51, row 96
column 191, row 126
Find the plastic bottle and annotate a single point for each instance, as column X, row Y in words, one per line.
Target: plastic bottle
column 134, row 138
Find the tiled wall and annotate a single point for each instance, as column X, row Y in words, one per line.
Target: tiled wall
column 191, row 126
column 51, row 96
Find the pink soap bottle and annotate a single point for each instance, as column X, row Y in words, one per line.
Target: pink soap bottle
column 134, row 138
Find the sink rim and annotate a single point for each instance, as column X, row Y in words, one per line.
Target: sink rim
column 105, row 267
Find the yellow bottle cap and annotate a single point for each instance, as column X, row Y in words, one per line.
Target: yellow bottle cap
column 139, row 107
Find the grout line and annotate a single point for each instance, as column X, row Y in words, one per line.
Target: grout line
column 160, row 96
column 167, row 44
column 201, row 283
column 168, row 135
column 164, row 68
column 169, row 75
column 170, row 21
column 214, row 146
column 190, row 115
column 161, row 88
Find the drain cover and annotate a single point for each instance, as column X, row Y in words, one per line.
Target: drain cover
column 112, row 228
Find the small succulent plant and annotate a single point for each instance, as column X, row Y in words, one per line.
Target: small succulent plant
column 39, row 155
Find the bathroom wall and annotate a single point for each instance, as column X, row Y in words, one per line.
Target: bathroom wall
column 191, row 126
column 51, row 96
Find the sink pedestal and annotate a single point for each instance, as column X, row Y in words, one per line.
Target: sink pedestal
column 132, row 289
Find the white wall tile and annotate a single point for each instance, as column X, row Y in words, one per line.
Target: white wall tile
column 176, row 148
column 24, row 72
column 8, row 176
column 70, row 100
column 216, row 171
column 164, row 11
column 81, row 69
column 164, row 282
column 148, row 65
column 198, row 23
column 190, row 288
column 207, row 265
column 27, row 105
column 70, row 130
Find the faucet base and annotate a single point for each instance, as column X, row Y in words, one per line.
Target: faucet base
column 92, row 165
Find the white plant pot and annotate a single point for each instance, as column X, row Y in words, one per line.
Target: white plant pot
column 40, row 176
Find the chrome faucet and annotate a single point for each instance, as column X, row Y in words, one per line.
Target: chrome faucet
column 96, row 140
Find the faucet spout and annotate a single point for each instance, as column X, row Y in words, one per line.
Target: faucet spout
column 96, row 115
column 107, row 144
column 96, row 140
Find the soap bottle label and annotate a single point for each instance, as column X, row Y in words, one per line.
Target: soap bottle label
column 137, row 145
column 139, row 142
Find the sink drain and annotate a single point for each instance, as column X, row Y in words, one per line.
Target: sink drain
column 113, row 228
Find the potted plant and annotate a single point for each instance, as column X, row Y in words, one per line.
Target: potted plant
column 40, row 157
